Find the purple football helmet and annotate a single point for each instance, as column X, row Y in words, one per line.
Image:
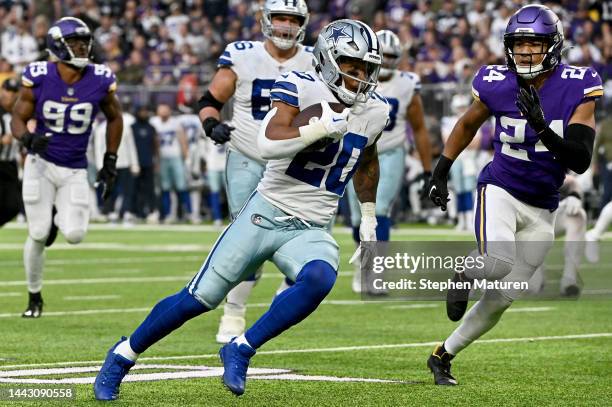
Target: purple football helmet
column 58, row 36
column 539, row 23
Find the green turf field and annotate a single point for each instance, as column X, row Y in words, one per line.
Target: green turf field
column 551, row 353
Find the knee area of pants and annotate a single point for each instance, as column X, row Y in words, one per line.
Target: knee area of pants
column 38, row 233
column 490, row 268
column 533, row 253
column 319, row 275
column 497, row 300
column 74, row 236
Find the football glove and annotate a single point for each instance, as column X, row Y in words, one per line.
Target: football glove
column 572, row 205
column 36, row 143
column 217, row 131
column 437, row 189
column 107, row 175
column 367, row 228
column 528, row 103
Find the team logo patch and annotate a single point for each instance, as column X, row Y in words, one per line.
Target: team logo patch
column 337, row 33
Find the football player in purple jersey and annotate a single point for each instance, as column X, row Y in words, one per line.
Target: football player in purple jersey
column 545, row 125
column 64, row 96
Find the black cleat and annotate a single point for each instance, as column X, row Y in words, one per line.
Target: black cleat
column 571, row 291
column 35, row 306
column 457, row 298
column 439, row 364
column 53, row 230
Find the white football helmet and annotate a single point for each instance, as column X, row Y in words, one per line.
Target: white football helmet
column 392, row 51
column 282, row 37
column 348, row 39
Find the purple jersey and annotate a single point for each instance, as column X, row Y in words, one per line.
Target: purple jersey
column 66, row 112
column 522, row 165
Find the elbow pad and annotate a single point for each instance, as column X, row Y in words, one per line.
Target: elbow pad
column 208, row 100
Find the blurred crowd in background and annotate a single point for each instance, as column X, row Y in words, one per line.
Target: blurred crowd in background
column 164, row 52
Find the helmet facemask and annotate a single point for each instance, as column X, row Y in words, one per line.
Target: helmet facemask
column 365, row 87
column 72, row 45
column 389, row 64
column 283, row 36
column 530, row 70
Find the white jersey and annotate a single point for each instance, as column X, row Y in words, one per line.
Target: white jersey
column 194, row 133
column 167, row 131
column 256, row 71
column 310, row 184
column 398, row 91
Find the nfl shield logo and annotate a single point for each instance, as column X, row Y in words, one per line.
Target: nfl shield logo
column 70, row 92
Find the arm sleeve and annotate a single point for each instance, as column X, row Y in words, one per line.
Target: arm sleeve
column 575, row 150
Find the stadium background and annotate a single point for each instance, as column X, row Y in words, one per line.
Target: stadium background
column 166, row 51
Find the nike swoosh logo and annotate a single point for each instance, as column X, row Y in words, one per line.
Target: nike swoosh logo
column 594, row 74
column 339, row 120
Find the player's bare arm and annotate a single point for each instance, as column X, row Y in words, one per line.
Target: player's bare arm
column 112, row 111
column 114, row 129
column 465, row 129
column 416, row 118
column 219, row 92
column 279, row 127
column 221, row 88
column 461, row 136
column 366, row 176
column 22, row 112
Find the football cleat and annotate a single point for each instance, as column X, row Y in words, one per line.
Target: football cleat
column 53, row 231
column 235, row 359
column 230, row 327
column 35, row 306
column 439, row 364
column 114, row 369
column 457, row 298
column 570, row 291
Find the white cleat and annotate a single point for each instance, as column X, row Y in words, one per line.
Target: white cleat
column 230, row 327
column 591, row 247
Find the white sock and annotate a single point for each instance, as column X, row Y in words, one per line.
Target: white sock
column 241, row 340
column 33, row 260
column 237, row 299
column 479, row 319
column 124, row 349
column 574, row 247
column 605, row 217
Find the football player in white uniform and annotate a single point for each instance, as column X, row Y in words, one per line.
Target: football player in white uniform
column 285, row 219
column 195, row 146
column 401, row 89
column 247, row 70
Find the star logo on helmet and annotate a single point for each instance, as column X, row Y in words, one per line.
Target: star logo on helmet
column 337, row 33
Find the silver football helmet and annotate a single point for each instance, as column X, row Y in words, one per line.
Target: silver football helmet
column 348, row 39
column 281, row 37
column 392, row 51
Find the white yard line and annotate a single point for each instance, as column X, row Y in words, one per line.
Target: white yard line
column 91, row 297
column 10, row 295
column 531, row 309
column 334, row 349
column 120, row 247
column 110, row 260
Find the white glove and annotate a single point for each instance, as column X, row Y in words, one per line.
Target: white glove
column 330, row 124
column 572, row 205
column 367, row 229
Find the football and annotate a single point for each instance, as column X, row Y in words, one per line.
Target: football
column 303, row 118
